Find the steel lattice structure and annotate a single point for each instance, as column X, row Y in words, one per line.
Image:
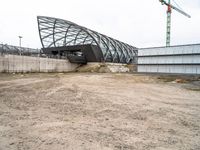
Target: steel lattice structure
column 56, row 32
column 17, row 50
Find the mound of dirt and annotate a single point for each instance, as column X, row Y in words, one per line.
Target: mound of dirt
column 106, row 68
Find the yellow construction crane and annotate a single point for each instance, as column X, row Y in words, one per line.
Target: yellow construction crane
column 169, row 11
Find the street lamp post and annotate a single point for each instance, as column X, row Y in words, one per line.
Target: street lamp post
column 20, row 43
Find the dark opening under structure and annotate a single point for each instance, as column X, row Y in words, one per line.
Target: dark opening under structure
column 82, row 45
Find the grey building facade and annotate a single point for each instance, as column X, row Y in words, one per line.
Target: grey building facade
column 180, row 59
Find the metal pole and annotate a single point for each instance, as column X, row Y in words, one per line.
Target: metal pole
column 20, row 44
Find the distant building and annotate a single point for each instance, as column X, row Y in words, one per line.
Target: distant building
column 82, row 45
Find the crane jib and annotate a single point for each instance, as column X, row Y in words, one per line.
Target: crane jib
column 170, row 6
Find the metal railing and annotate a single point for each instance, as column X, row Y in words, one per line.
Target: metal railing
column 25, row 51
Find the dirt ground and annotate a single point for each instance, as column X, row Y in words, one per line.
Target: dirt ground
column 85, row 111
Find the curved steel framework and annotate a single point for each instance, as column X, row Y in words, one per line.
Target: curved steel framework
column 56, row 32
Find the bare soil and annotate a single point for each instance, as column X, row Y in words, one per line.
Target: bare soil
column 84, row 111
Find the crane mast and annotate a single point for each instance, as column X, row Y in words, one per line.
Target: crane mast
column 169, row 11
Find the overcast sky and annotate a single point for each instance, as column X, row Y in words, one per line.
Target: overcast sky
column 141, row 23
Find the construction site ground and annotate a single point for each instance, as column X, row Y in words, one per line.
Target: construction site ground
column 105, row 111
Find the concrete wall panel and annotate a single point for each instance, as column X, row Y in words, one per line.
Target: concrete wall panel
column 16, row 63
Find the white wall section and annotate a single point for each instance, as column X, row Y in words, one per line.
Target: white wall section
column 183, row 59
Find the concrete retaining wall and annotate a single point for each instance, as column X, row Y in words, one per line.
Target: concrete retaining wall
column 16, row 63
column 183, row 59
